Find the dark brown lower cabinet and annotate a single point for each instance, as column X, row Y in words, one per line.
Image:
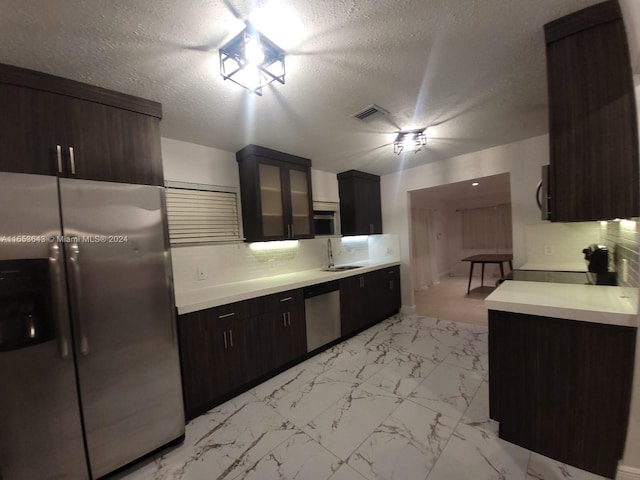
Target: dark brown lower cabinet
column 224, row 349
column 562, row 388
column 353, row 304
column 213, row 353
column 385, row 298
column 369, row 298
column 279, row 335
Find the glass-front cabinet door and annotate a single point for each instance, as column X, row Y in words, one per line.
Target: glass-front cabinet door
column 275, row 190
column 271, row 201
column 300, row 211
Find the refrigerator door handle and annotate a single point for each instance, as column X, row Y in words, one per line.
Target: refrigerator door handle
column 77, row 293
column 56, row 277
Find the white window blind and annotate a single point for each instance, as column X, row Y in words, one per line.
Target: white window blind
column 201, row 214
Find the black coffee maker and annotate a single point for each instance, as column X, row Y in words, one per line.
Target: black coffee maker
column 598, row 258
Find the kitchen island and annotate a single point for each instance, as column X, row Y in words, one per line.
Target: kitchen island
column 560, row 369
column 586, row 303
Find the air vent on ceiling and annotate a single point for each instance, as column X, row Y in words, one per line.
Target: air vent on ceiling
column 370, row 111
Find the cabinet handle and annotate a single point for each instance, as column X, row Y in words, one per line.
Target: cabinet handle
column 72, row 160
column 284, row 319
column 231, row 338
column 286, row 299
column 289, row 318
column 224, row 334
column 59, row 157
column 226, row 315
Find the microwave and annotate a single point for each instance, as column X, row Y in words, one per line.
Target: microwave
column 326, row 219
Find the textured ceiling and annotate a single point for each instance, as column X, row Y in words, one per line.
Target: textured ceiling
column 494, row 186
column 473, row 71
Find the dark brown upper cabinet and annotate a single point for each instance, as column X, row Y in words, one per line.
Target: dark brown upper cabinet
column 275, row 189
column 592, row 117
column 360, row 206
column 54, row 126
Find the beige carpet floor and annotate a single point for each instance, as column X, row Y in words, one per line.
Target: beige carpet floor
column 449, row 300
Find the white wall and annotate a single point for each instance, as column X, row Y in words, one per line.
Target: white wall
column 631, row 16
column 188, row 162
column 522, row 160
column 324, row 186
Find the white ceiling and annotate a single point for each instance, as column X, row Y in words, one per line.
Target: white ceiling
column 492, row 186
column 473, row 71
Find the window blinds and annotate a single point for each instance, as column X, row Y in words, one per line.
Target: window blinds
column 202, row 215
column 487, row 228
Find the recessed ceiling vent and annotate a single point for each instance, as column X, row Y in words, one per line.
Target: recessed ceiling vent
column 371, row 112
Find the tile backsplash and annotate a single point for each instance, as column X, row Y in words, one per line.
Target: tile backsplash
column 562, row 244
column 220, row 264
column 621, row 237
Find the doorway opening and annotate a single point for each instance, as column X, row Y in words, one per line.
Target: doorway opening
column 448, row 224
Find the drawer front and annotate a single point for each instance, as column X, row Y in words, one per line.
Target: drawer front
column 277, row 301
column 231, row 311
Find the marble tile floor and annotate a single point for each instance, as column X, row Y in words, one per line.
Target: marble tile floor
column 406, row 399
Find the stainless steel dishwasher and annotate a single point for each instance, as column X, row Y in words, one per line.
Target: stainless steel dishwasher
column 322, row 313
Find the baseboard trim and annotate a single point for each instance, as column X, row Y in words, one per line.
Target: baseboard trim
column 628, row 473
column 408, row 309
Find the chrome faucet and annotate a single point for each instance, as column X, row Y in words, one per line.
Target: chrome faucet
column 329, row 253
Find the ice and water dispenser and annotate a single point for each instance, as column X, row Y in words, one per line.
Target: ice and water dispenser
column 25, row 303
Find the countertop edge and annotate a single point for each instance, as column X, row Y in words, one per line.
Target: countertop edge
column 609, row 314
column 246, row 291
column 612, row 318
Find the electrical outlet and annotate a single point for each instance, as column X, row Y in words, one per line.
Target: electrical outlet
column 548, row 249
column 201, row 274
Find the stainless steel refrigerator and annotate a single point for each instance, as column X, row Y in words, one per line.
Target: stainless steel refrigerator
column 89, row 361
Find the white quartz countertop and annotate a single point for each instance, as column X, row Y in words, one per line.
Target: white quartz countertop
column 194, row 300
column 556, row 266
column 588, row 303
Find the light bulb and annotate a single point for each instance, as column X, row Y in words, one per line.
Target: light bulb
column 253, row 51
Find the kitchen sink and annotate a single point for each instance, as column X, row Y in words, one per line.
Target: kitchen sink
column 341, row 268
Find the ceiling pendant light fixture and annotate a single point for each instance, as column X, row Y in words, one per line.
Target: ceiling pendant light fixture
column 410, row 141
column 252, row 60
